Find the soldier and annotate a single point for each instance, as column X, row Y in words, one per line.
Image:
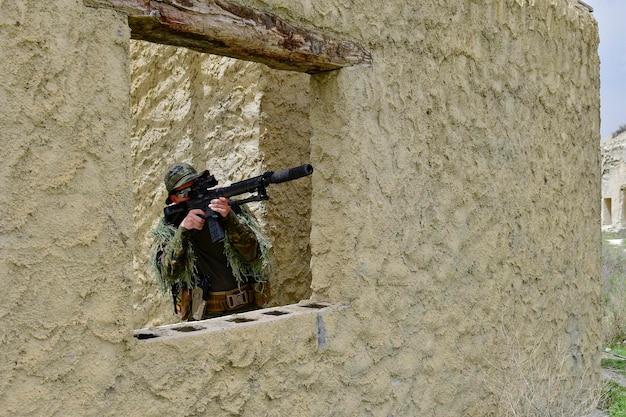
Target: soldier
column 208, row 279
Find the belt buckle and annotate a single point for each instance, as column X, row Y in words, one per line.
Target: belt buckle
column 236, row 300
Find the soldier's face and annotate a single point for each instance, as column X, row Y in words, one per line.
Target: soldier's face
column 181, row 193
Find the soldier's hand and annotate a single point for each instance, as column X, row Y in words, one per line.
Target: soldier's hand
column 193, row 220
column 220, row 205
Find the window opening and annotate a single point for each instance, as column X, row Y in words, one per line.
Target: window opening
column 166, row 134
column 237, row 119
column 606, row 212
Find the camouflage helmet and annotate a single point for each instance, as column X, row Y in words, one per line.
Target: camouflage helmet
column 178, row 175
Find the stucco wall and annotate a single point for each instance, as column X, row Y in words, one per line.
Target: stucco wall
column 66, row 224
column 479, row 151
column 454, row 221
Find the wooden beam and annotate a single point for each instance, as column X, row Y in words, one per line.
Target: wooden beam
column 230, row 29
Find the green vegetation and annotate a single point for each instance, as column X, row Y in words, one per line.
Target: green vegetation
column 614, row 321
column 618, row 364
column 613, row 277
column 614, row 395
column 615, row 400
column 619, row 349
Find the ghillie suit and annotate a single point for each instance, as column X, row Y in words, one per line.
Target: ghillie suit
column 175, row 264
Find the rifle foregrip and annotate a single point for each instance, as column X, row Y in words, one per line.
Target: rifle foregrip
column 290, row 174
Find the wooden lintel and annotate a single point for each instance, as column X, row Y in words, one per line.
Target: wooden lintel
column 230, row 29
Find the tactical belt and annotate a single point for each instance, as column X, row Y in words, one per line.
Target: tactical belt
column 229, row 300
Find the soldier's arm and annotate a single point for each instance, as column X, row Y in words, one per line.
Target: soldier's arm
column 241, row 237
column 174, row 258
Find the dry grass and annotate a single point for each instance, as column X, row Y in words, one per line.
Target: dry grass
column 532, row 384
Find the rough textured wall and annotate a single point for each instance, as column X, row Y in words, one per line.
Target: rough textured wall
column 477, row 142
column 613, row 180
column 454, row 220
column 66, row 225
column 454, row 181
column 237, row 119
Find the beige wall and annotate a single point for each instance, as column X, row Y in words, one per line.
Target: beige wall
column 67, row 240
column 454, row 219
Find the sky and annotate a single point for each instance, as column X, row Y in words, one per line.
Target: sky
column 611, row 18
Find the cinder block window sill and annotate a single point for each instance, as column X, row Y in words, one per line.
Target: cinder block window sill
column 226, row 323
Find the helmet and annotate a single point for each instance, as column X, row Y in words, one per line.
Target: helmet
column 178, row 175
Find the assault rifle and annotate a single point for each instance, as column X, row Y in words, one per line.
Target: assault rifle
column 203, row 191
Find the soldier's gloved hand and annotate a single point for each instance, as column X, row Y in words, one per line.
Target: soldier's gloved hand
column 220, row 205
column 193, row 220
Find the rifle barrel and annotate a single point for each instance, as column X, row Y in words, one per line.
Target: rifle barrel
column 290, row 174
